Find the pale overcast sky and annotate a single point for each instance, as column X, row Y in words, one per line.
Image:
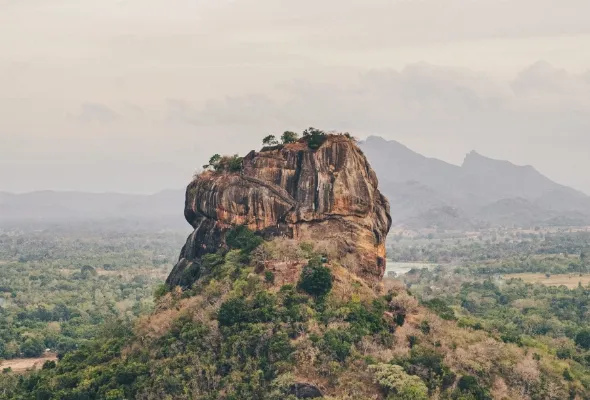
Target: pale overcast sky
column 134, row 95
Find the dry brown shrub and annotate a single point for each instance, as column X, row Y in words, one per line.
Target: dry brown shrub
column 357, row 383
column 401, row 348
column 369, row 346
column 338, row 325
column 500, row 390
column 328, row 248
column 305, row 357
column 279, row 249
column 528, row 370
column 347, row 287
column 403, row 303
column 349, row 261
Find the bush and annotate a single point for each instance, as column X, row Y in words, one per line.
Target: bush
column 337, row 343
column 233, row 311
column 160, row 291
column 583, row 339
column 315, row 279
column 87, row 272
column 289, row 137
column 234, row 164
column 32, row 347
column 270, row 140
column 237, row 310
column 440, row 308
column 242, row 238
column 398, row 383
column 469, row 385
column 49, row 364
column 269, row 277
column 315, row 137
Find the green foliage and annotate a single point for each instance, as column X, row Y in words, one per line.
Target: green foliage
column 469, row 385
column 315, row 279
column 32, row 347
column 398, row 384
column 213, row 162
column 49, row 364
column 583, row 339
column 234, row 163
column 269, row 277
column 240, row 338
column 440, row 308
column 270, row 140
column 429, row 365
column 161, row 290
column 242, row 238
column 314, row 137
column 367, row 320
column 88, row 272
column 262, row 308
column 337, row 343
column 289, row 137
column 225, row 163
column 70, row 280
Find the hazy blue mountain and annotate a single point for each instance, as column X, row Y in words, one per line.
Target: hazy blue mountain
column 423, row 192
column 483, row 190
column 53, row 206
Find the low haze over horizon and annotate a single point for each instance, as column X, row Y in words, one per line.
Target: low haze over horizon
column 133, row 96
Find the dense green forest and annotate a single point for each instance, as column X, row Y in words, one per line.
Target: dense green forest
column 57, row 286
column 499, row 251
column 487, row 294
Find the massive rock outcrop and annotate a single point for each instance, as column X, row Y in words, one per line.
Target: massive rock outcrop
column 326, row 195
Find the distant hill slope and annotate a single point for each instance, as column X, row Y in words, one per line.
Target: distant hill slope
column 482, row 190
column 423, row 192
column 52, row 206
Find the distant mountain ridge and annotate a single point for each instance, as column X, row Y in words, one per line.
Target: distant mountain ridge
column 423, row 193
column 54, row 206
column 482, row 190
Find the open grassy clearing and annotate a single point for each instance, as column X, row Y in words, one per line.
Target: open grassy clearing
column 569, row 280
column 25, row 364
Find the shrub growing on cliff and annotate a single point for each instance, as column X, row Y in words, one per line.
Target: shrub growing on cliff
column 234, row 164
column 289, row 137
column 242, row 238
column 398, row 383
column 225, row 163
column 315, row 137
column 270, row 140
column 213, row 162
column 315, row 279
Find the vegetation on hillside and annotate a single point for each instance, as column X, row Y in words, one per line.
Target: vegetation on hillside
column 57, row 288
column 271, row 319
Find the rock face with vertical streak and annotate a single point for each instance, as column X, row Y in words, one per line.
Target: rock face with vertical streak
column 327, row 195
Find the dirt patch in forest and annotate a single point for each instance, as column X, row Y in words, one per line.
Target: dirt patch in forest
column 569, row 280
column 25, row 364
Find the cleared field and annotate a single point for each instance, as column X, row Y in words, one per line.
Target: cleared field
column 569, row 280
column 24, row 364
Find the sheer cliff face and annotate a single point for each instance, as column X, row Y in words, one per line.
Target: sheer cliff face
column 327, row 195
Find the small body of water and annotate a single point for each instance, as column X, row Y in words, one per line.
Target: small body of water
column 400, row 268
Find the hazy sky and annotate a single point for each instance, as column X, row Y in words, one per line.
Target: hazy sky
column 134, row 95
